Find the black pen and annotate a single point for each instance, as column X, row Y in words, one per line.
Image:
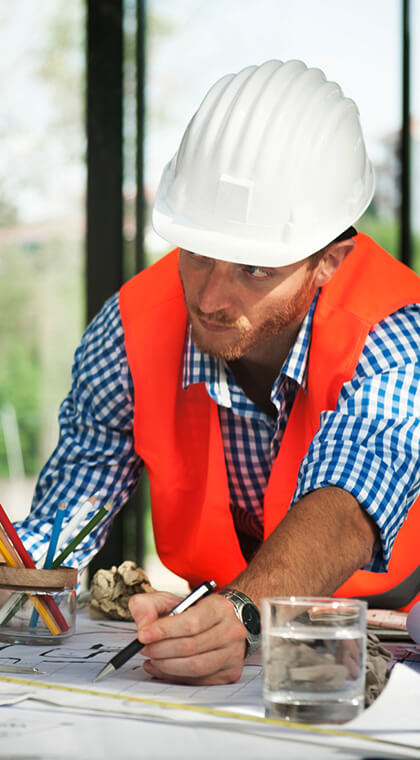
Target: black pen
column 131, row 649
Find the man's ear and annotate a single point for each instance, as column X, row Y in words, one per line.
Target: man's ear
column 331, row 260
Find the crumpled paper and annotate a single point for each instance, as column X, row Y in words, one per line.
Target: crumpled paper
column 377, row 668
column 111, row 589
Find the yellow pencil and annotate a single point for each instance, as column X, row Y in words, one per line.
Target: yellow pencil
column 9, row 546
column 44, row 614
column 39, row 606
column 7, row 551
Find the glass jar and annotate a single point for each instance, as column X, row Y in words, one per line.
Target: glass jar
column 37, row 606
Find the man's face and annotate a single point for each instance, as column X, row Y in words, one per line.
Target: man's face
column 236, row 309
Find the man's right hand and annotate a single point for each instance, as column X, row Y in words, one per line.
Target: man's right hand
column 203, row 645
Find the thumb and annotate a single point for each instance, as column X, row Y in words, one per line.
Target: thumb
column 146, row 608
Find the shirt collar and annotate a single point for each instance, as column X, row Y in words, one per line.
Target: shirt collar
column 203, row 368
column 296, row 364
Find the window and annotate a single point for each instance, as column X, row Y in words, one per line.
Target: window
column 42, row 188
column 189, row 44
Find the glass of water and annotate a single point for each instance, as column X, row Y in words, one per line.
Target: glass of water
column 314, row 651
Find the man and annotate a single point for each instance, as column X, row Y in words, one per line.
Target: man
column 266, row 375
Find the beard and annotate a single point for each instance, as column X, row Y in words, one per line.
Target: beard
column 244, row 336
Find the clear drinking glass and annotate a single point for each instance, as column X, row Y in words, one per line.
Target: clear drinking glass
column 314, row 651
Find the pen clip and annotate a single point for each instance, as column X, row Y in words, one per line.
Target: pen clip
column 199, row 593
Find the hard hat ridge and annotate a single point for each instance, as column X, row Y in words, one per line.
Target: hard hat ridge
column 271, row 168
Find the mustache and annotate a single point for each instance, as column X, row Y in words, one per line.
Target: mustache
column 216, row 317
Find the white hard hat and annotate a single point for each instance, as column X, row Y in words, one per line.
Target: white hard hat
column 271, row 168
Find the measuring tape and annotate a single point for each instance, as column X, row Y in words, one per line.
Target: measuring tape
column 215, row 712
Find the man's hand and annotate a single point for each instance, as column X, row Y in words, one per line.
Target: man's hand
column 203, row 645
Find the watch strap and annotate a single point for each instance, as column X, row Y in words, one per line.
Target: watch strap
column 240, row 603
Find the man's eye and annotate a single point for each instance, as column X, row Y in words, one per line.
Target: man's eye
column 198, row 259
column 258, row 272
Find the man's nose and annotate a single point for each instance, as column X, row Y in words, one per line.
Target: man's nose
column 217, row 290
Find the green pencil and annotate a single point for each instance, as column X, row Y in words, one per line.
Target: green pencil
column 101, row 513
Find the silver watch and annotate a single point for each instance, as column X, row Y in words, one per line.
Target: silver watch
column 249, row 615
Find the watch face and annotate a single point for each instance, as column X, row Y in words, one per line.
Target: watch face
column 251, row 619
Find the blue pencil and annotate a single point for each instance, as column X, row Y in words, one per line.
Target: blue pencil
column 59, row 516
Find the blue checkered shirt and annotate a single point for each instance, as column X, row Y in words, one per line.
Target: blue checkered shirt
column 369, row 445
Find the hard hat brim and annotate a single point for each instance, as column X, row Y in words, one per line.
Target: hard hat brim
column 268, row 246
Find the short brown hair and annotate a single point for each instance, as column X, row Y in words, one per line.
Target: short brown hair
column 317, row 256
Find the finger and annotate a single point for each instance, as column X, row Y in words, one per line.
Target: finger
column 218, row 666
column 220, row 678
column 145, row 608
column 222, row 634
column 201, row 617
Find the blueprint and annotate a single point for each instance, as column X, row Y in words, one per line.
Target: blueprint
column 75, row 663
column 40, row 708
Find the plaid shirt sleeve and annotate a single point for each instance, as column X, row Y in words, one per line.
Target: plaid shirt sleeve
column 369, row 445
column 95, row 451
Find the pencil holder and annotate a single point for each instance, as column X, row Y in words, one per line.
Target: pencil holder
column 37, row 606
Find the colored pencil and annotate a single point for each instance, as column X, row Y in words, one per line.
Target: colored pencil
column 58, row 521
column 8, row 553
column 72, row 525
column 5, row 540
column 8, row 610
column 101, row 513
column 15, row 540
column 27, row 561
column 39, row 606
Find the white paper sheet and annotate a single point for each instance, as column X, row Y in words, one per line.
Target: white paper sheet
column 67, row 680
column 40, row 734
column 75, row 664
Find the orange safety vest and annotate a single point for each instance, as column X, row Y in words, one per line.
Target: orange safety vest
column 177, row 432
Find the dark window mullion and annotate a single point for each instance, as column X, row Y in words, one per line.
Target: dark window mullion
column 104, row 237
column 406, row 249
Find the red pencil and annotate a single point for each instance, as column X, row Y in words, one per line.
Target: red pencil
column 28, row 562
column 15, row 540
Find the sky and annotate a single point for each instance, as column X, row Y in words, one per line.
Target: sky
column 355, row 42
column 38, row 170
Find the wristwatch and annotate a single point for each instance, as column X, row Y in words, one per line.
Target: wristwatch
column 249, row 615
